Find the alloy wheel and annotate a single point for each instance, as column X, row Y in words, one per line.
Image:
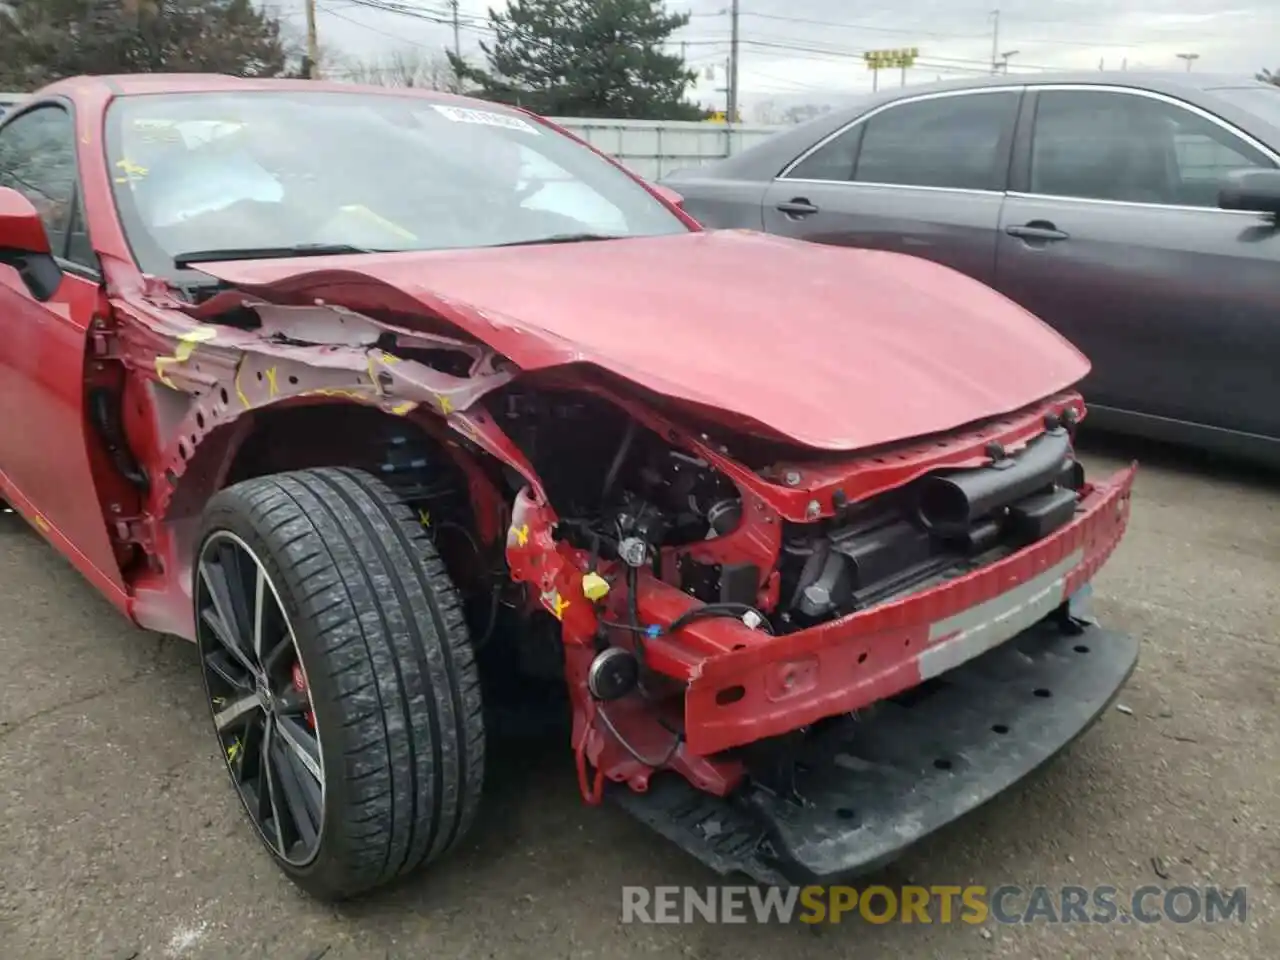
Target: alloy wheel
column 259, row 698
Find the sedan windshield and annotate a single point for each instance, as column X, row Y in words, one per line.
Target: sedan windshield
column 210, row 172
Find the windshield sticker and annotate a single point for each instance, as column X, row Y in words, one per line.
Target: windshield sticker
column 486, row 117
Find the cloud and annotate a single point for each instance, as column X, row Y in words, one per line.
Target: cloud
column 811, row 49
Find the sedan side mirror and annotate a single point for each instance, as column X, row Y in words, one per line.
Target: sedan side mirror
column 21, row 229
column 1257, row 190
column 24, row 246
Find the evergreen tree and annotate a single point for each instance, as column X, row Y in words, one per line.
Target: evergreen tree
column 585, row 58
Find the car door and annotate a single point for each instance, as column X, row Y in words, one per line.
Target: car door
column 923, row 176
column 44, row 458
column 1112, row 235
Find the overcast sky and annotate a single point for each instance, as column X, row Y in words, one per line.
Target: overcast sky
column 795, row 50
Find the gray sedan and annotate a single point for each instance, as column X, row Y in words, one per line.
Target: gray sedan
column 1136, row 213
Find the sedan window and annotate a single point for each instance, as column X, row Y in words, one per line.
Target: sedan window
column 957, row 142
column 38, row 159
column 1104, row 145
column 832, row 161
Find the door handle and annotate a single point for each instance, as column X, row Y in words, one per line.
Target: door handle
column 1037, row 230
column 797, row 207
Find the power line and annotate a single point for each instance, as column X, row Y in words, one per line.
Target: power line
column 843, row 53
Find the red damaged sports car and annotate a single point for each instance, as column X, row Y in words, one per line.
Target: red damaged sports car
column 415, row 412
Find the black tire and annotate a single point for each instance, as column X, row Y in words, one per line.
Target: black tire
column 393, row 686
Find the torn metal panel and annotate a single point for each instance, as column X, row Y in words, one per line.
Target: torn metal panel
column 312, row 353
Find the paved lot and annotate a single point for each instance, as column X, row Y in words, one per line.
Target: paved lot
column 118, row 835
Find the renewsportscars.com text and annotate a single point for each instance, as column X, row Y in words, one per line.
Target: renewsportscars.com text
column 935, row 904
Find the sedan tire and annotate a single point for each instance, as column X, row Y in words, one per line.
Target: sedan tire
column 340, row 677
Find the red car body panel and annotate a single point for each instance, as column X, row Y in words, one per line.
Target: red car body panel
column 877, row 368
column 822, row 345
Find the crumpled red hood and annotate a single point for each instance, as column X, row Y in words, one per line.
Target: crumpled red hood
column 837, row 349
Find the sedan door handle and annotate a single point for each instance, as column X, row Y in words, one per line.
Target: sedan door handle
column 1037, row 230
column 797, row 207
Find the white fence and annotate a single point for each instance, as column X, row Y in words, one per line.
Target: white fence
column 651, row 148
column 655, row 148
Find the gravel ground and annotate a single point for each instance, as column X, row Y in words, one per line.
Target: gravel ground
column 120, row 838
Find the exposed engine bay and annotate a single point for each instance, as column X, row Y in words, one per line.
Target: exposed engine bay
column 624, row 493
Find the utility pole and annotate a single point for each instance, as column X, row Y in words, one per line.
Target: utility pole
column 995, row 41
column 729, row 102
column 732, row 115
column 1188, row 57
column 310, row 69
column 457, row 36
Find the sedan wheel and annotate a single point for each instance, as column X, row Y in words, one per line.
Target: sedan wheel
column 340, row 676
column 258, row 695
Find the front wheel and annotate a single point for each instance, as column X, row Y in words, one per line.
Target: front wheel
column 340, row 676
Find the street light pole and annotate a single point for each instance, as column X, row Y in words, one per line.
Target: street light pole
column 1005, row 58
column 1189, row 57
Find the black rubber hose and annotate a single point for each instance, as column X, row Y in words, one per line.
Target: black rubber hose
column 733, row 610
column 618, row 459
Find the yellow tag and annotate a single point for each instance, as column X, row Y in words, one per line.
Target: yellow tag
column 595, row 587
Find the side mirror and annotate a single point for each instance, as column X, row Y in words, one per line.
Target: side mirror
column 1257, row 190
column 21, row 229
column 669, row 195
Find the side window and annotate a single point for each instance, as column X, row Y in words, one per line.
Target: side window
column 832, row 161
column 1101, row 145
column 37, row 158
column 958, row 142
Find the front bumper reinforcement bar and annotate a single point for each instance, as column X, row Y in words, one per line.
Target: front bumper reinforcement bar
column 891, row 776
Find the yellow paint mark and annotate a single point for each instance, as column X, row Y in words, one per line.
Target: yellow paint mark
column 198, row 334
column 239, row 390
column 161, row 363
column 272, row 387
column 522, row 534
column 40, row 522
column 555, row 603
column 446, row 405
column 346, row 392
column 182, row 353
column 424, row 517
column 233, row 750
column 400, row 409
column 387, row 358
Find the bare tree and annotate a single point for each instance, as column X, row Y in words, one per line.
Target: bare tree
column 407, row 67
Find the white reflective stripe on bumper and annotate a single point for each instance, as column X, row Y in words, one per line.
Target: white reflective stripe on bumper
column 961, row 637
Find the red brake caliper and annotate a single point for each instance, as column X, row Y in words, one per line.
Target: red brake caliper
column 300, row 685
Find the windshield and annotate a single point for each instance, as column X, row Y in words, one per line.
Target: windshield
column 234, row 171
column 1262, row 101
